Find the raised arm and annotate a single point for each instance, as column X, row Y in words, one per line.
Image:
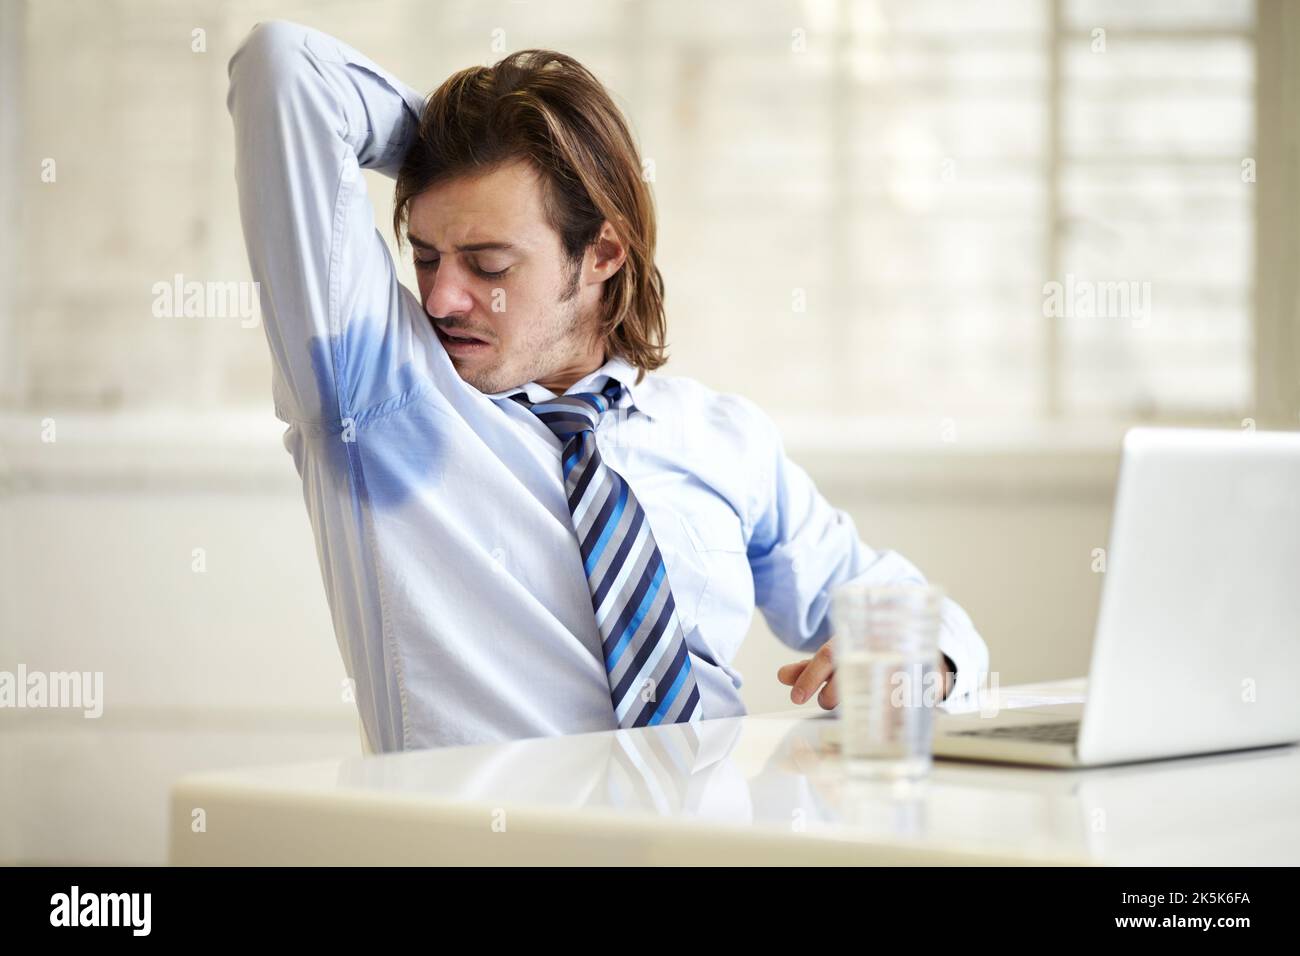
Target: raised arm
column 309, row 114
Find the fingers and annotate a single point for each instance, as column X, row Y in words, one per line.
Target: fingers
column 816, row 672
column 789, row 673
column 830, row 695
column 807, row 675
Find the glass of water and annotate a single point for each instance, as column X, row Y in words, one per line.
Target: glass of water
column 886, row 668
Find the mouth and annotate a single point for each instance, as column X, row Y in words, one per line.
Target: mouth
column 461, row 343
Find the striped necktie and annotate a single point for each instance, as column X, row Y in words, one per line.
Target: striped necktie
column 650, row 676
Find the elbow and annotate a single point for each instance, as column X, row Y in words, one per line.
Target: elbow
column 266, row 60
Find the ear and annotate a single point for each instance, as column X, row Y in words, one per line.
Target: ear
column 607, row 254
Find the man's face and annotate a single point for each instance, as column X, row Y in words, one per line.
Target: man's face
column 491, row 269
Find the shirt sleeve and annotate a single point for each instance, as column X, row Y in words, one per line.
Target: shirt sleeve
column 801, row 548
column 309, row 114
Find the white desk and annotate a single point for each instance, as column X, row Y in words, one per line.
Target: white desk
column 746, row 790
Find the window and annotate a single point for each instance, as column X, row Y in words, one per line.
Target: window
column 916, row 175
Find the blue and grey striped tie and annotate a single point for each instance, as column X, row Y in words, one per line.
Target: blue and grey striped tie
column 650, row 676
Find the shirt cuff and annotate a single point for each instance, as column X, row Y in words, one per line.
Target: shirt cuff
column 963, row 646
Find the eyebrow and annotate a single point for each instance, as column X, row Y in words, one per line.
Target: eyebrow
column 467, row 247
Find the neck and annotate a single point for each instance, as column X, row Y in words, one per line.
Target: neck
column 561, row 380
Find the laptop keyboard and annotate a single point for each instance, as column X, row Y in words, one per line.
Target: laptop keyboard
column 1066, row 732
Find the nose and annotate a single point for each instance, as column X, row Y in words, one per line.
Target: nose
column 447, row 294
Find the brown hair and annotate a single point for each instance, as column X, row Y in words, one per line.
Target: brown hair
column 550, row 110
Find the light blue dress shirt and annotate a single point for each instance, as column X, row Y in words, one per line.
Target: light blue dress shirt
column 451, row 567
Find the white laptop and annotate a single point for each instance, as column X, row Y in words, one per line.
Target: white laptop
column 1197, row 648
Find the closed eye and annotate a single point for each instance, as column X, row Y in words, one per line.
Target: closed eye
column 433, row 263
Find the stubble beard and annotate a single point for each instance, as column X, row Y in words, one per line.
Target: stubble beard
column 548, row 348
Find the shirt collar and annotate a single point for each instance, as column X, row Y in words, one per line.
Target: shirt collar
column 640, row 395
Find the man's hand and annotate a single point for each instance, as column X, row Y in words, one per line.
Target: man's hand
column 807, row 676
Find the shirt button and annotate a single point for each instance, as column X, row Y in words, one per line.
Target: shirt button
column 499, row 556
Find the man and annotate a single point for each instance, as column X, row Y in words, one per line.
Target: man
column 521, row 533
